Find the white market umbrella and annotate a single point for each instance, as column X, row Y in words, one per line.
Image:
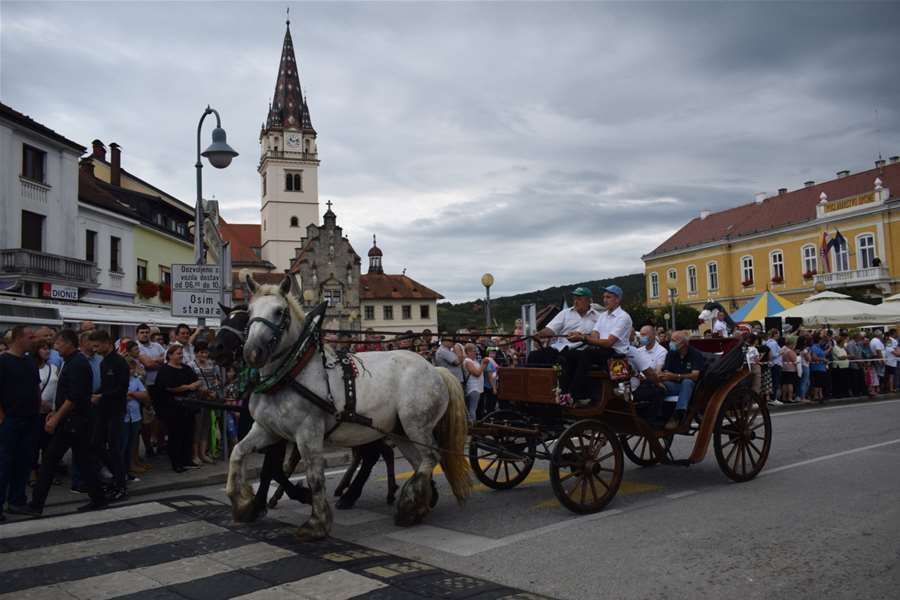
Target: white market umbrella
column 831, row 308
column 894, row 298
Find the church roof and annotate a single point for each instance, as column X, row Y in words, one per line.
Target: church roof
column 381, row 286
column 289, row 108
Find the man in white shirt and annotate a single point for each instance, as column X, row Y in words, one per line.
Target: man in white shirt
column 878, row 353
column 650, row 347
column 152, row 355
column 720, row 327
column 775, row 362
column 580, row 318
column 891, row 355
column 608, row 338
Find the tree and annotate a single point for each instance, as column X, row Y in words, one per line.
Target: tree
column 686, row 317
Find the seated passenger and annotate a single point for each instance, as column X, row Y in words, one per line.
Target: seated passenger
column 580, row 318
column 680, row 374
column 609, row 338
column 645, row 384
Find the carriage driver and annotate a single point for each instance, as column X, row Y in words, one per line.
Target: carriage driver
column 607, row 339
column 579, row 319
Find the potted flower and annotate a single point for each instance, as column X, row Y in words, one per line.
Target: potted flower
column 147, row 289
column 747, row 283
column 778, row 279
column 809, row 274
column 165, row 292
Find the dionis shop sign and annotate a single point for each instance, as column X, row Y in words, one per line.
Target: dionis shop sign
column 59, row 292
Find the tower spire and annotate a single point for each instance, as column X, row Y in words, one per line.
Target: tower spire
column 289, row 108
column 375, row 255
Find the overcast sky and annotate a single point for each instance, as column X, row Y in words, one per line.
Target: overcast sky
column 546, row 143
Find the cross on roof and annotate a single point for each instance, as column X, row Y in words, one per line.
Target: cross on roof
column 328, row 204
column 288, row 15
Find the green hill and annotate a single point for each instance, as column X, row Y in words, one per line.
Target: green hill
column 505, row 310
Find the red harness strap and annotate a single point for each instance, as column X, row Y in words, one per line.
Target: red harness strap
column 301, row 364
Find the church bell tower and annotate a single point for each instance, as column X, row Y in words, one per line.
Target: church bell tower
column 288, row 166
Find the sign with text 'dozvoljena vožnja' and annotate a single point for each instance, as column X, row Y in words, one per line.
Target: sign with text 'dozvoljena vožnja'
column 196, row 290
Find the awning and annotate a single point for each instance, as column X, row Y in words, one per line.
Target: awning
column 100, row 314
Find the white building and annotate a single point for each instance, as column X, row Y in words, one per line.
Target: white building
column 288, row 166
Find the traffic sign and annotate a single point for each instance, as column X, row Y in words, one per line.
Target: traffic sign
column 187, row 303
column 196, row 278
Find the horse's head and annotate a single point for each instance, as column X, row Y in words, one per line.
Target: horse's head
column 274, row 316
column 709, row 312
column 228, row 343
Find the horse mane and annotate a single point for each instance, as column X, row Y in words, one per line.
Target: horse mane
column 290, row 299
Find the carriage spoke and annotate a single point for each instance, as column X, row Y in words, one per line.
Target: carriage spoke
column 600, row 479
column 583, row 488
column 730, row 442
column 506, row 470
column 593, row 489
column 567, row 476
column 731, row 452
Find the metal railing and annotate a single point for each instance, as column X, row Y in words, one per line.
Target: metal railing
column 31, row 262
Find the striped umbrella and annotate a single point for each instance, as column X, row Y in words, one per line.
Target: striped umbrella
column 766, row 304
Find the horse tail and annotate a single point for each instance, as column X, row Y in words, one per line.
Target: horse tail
column 451, row 433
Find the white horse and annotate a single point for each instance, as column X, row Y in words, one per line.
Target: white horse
column 399, row 391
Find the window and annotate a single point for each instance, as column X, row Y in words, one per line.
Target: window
column 810, row 265
column 165, row 276
column 115, row 254
column 424, row 311
column 33, row 163
column 747, row 269
column 180, row 229
column 32, row 231
column 141, row 270
column 159, row 219
column 264, row 184
column 865, row 251
column 406, row 312
column 90, row 246
column 842, row 258
column 776, row 266
column 332, row 295
column 712, row 276
column 369, row 313
column 295, row 222
column 293, row 182
column 672, row 274
column 692, row 279
column 654, row 285
column 388, row 313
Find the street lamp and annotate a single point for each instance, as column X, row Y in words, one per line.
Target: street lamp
column 487, row 280
column 219, row 155
column 672, row 284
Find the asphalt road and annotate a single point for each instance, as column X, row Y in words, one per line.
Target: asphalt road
column 822, row 520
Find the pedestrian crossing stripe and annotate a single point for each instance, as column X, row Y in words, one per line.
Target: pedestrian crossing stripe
column 189, row 547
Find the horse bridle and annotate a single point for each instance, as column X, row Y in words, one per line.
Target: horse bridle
column 277, row 329
column 238, row 333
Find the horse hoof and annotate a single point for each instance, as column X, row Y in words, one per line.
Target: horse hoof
column 390, row 499
column 344, row 503
column 273, row 502
column 310, row 533
column 434, row 496
column 248, row 513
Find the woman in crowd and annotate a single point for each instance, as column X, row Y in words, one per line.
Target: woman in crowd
column 803, row 374
column 473, row 379
column 175, row 382
column 210, row 388
column 137, row 396
column 870, row 375
column 789, row 377
column 840, row 372
column 49, row 377
column 818, row 368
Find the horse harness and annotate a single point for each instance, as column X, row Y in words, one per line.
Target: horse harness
column 300, row 354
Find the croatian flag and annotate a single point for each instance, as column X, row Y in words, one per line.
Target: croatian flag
column 823, row 252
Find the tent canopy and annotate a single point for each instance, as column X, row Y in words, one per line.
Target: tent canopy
column 766, row 304
column 894, row 298
column 831, row 308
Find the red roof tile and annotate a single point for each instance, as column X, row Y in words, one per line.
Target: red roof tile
column 380, row 286
column 244, row 237
column 777, row 211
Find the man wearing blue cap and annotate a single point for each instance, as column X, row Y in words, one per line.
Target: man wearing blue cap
column 608, row 338
column 580, row 318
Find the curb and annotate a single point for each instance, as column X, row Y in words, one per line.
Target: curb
column 835, row 402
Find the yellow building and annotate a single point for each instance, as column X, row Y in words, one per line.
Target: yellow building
column 776, row 243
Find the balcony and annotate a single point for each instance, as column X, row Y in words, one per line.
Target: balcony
column 33, row 191
column 41, row 266
column 869, row 276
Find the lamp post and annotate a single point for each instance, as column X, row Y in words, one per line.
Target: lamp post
column 487, row 280
column 219, row 155
column 672, row 284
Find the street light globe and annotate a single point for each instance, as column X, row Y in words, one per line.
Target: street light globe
column 219, row 153
column 487, row 280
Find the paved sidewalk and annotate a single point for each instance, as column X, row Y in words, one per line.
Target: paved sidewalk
column 163, row 479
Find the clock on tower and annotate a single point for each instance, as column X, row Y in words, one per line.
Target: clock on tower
column 293, row 141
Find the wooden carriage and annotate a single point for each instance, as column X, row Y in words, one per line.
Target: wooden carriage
column 585, row 446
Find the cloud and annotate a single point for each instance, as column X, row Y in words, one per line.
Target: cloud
column 544, row 142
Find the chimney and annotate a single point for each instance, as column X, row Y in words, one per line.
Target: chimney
column 809, row 183
column 782, row 191
column 760, row 196
column 115, row 171
column 98, row 150
column 879, row 163
column 703, row 214
column 87, row 165
column 894, row 159
column 842, row 174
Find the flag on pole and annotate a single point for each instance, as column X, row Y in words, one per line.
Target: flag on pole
column 823, row 252
column 838, row 242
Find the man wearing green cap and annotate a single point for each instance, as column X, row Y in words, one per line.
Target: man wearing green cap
column 564, row 328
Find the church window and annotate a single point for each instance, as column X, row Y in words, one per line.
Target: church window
column 293, row 182
column 406, row 311
column 388, row 313
column 424, row 311
column 264, row 184
column 369, row 312
column 294, row 222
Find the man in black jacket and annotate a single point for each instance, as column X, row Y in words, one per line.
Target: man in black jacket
column 109, row 416
column 70, row 424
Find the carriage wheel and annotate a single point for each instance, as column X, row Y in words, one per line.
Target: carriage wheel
column 639, row 451
column 494, row 468
column 743, row 435
column 586, row 466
